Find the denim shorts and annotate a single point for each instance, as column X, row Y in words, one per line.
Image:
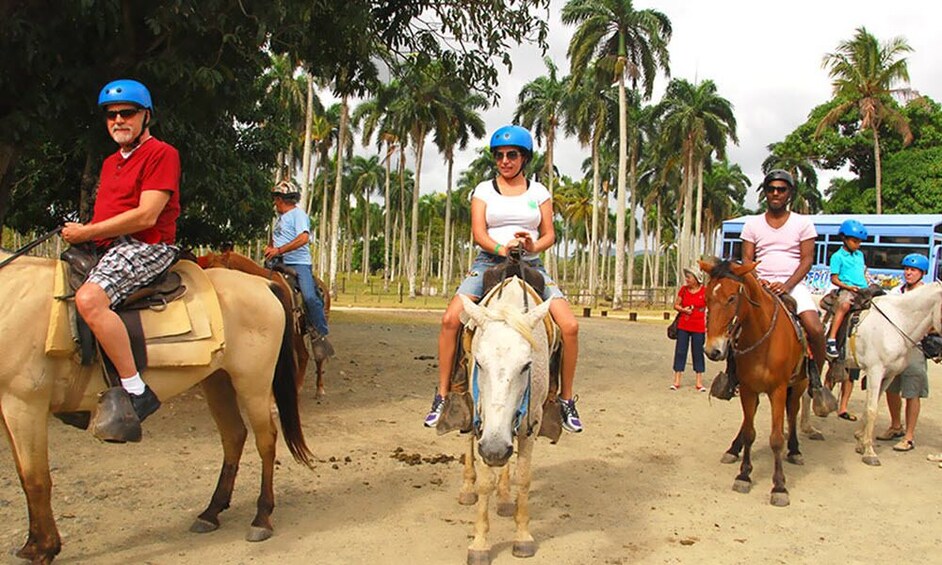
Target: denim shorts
column 473, row 284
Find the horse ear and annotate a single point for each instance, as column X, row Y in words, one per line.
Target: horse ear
column 707, row 266
column 740, row 270
column 536, row 315
column 477, row 313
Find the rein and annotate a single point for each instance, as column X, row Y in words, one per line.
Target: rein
column 734, row 328
column 911, row 341
column 26, row 248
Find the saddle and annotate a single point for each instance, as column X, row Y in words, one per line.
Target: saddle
column 861, row 303
column 458, row 409
column 302, row 324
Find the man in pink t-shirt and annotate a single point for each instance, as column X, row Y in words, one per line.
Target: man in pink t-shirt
column 783, row 243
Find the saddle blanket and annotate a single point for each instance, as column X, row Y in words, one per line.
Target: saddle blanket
column 185, row 333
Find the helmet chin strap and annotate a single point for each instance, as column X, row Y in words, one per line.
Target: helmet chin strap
column 144, row 124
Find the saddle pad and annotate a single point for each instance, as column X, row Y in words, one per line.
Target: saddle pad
column 185, row 333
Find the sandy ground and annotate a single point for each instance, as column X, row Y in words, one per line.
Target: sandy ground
column 643, row 484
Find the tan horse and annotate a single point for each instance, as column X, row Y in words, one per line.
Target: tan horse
column 255, row 364
column 233, row 260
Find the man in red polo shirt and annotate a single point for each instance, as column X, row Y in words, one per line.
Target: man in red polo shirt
column 134, row 226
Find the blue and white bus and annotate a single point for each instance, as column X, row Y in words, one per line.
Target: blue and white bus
column 890, row 238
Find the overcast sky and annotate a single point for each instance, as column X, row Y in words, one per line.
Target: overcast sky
column 764, row 58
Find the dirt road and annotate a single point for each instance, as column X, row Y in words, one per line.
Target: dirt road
column 643, row 484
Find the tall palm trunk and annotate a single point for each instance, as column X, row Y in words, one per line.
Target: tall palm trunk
column 878, row 166
column 366, row 236
column 322, row 261
column 306, row 159
column 414, row 232
column 620, row 208
column 338, row 189
column 446, row 237
column 594, row 237
column 632, row 187
column 697, row 233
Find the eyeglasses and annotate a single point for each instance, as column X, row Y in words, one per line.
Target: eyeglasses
column 770, row 189
column 510, row 155
column 111, row 115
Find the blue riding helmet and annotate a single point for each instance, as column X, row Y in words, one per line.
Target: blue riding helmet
column 512, row 135
column 916, row 261
column 125, row 91
column 853, row 228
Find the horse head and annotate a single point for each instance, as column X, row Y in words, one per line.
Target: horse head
column 510, row 373
column 724, row 293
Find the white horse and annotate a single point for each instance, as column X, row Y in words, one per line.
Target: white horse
column 510, row 380
column 882, row 345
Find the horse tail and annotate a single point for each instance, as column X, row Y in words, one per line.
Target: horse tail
column 286, row 392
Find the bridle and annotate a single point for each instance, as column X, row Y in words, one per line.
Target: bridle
column 734, row 327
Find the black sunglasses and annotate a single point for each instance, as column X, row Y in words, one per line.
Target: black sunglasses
column 510, row 155
column 776, row 189
column 126, row 113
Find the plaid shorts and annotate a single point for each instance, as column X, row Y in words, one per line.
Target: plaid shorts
column 126, row 267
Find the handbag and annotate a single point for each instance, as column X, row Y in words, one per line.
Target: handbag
column 672, row 329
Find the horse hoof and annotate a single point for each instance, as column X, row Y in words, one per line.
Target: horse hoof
column 506, row 509
column 467, row 498
column 816, row 435
column 479, row 557
column 796, row 459
column 201, row 526
column 524, row 548
column 871, row 460
column 729, row 458
column 742, row 486
column 256, row 533
column 779, row 499
column 320, row 393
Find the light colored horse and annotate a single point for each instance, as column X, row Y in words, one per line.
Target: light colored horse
column 238, row 262
column 255, row 365
column 510, row 349
column 882, row 346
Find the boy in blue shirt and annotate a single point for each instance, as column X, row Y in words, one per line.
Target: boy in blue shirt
column 849, row 274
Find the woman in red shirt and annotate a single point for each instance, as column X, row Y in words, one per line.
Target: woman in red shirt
column 691, row 327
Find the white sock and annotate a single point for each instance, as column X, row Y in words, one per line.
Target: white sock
column 133, row 384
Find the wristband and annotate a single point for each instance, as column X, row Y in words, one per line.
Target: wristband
column 497, row 249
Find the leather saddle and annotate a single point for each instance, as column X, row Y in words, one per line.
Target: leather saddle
column 167, row 287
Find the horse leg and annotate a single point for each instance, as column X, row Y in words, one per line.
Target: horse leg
column 865, row 433
column 221, row 398
column 259, row 410
column 524, row 544
column 302, row 357
column 26, row 429
column 747, row 433
column 467, row 495
column 793, row 406
column 778, row 399
column 321, row 393
column 479, row 552
column 732, row 454
column 505, row 506
column 806, row 427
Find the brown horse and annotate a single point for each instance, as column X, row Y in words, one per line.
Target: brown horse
column 233, row 260
column 770, row 358
column 255, row 363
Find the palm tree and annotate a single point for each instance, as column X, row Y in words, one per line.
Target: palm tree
column 697, row 120
column 630, row 43
column 864, row 74
column 461, row 122
column 367, row 175
column 724, row 187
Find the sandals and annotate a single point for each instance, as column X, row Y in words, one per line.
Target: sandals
column 701, row 388
column 904, row 445
column 848, row 416
column 891, row 434
column 675, row 387
column 934, row 457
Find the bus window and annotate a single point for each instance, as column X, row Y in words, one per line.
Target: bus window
column 910, row 240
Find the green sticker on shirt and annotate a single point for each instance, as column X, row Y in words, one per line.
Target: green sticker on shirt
column 533, row 204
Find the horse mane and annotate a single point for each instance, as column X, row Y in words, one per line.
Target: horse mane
column 723, row 270
column 513, row 317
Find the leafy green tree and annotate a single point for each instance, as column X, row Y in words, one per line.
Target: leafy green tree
column 631, row 44
column 865, row 74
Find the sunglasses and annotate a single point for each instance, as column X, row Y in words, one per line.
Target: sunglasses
column 510, row 155
column 111, row 115
column 771, row 189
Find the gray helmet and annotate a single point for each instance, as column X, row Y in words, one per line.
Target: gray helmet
column 777, row 174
